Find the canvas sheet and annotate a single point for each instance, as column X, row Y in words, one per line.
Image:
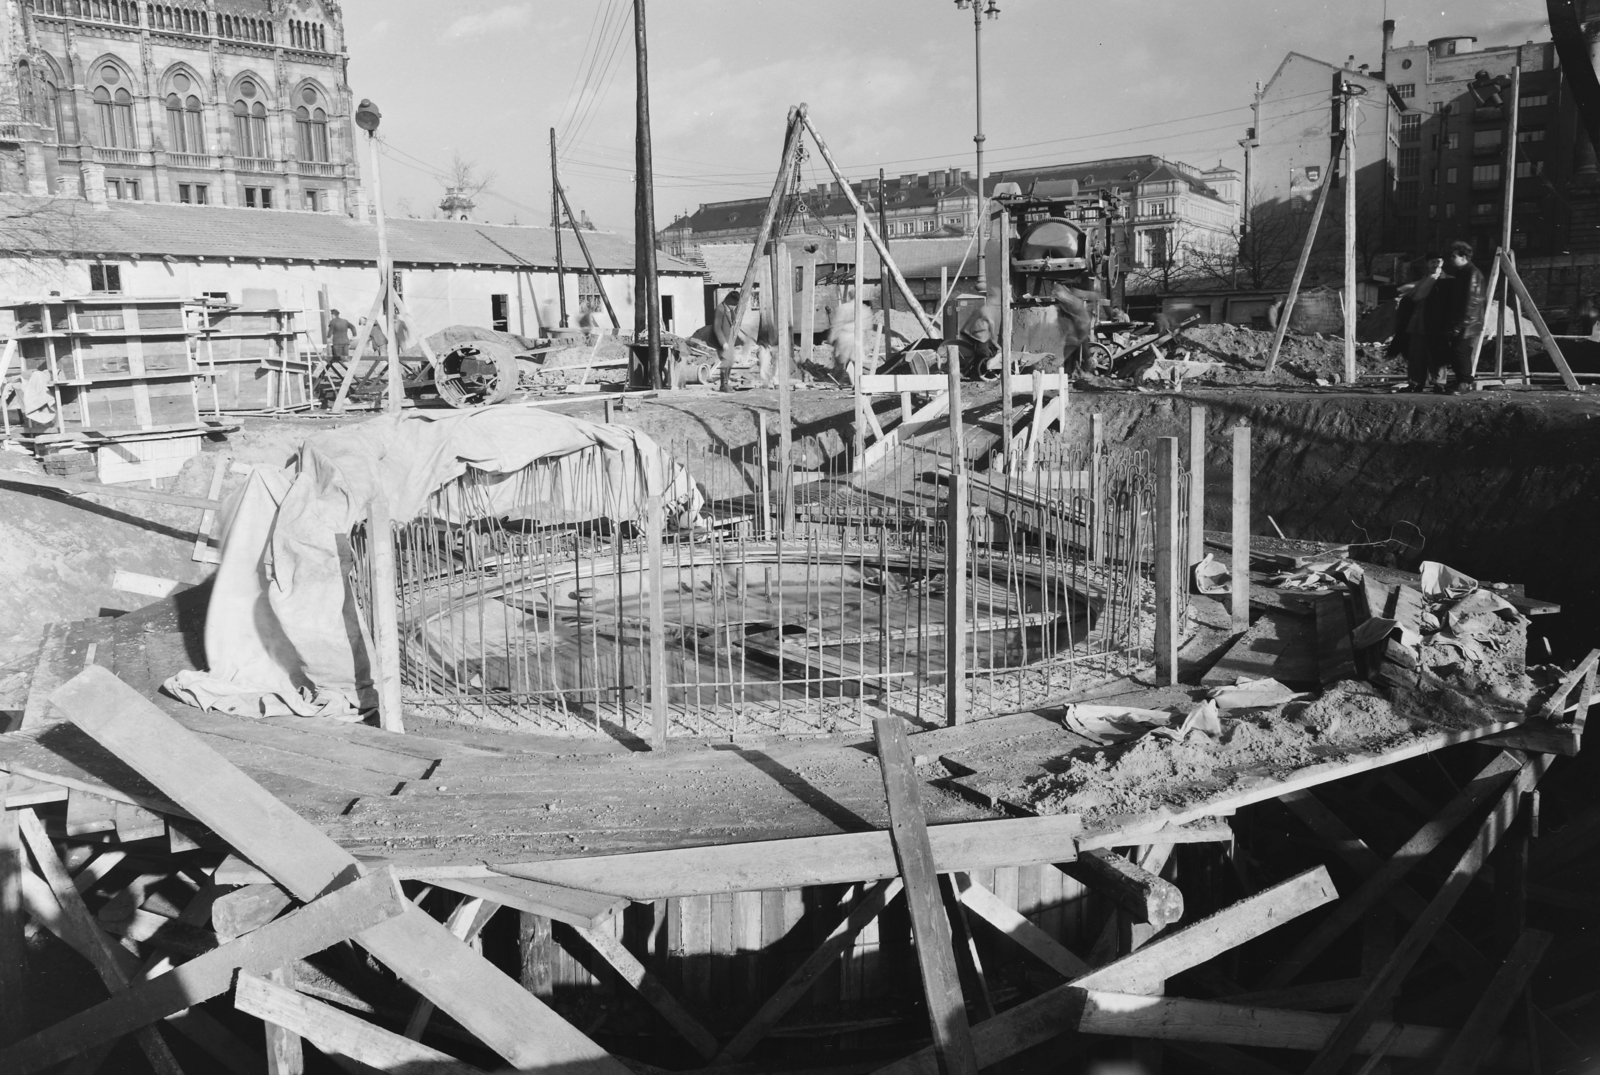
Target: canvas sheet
column 282, row 630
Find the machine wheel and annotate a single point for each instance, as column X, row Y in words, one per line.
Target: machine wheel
column 477, row 373
column 1099, row 357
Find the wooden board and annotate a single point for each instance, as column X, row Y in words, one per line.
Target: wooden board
column 1277, row 646
column 1336, row 659
column 1284, row 553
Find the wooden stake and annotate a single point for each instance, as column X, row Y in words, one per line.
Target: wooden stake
column 659, row 688
column 1166, row 555
column 1036, row 429
column 385, row 614
column 1097, row 487
column 1197, row 488
column 1240, row 552
column 764, row 473
column 859, row 369
column 947, row 1013
column 808, row 303
column 955, row 601
column 1007, row 417
column 1305, row 258
column 785, row 428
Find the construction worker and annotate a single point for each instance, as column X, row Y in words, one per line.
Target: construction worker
column 1411, row 336
column 1462, row 314
column 338, row 334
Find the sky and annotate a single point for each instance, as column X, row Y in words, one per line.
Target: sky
column 889, row 83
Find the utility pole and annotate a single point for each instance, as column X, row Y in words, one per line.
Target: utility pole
column 1506, row 206
column 646, row 283
column 979, row 10
column 1249, row 142
column 555, row 226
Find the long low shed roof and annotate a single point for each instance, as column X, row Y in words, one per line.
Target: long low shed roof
column 72, row 227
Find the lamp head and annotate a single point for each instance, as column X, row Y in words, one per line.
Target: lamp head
column 992, row 11
column 367, row 116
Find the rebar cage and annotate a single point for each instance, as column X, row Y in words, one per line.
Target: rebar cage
column 793, row 601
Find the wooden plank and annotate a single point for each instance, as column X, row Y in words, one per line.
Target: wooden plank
column 649, row 987
column 947, row 1012
column 1472, row 1045
column 135, row 823
column 338, row 1033
column 1196, row 538
column 289, row 739
column 298, row 856
column 1283, row 553
column 891, row 383
column 1167, row 554
column 1041, row 1018
column 1279, row 645
column 334, row 918
column 248, row 909
column 46, row 676
column 1239, row 549
column 1336, row 658
column 385, row 602
column 1381, row 876
column 111, row 971
column 26, row 791
column 585, row 910
column 285, row 1054
column 812, row 860
column 1035, row 941
column 1342, row 1044
column 856, row 918
column 13, row 944
column 465, row 921
column 88, row 814
column 1145, row 897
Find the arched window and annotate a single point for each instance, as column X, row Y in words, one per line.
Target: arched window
column 250, row 122
column 311, row 127
column 113, row 106
column 49, row 109
column 185, row 123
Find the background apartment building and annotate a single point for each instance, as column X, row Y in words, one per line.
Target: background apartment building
column 243, row 102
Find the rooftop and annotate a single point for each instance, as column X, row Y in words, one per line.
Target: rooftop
column 71, row 227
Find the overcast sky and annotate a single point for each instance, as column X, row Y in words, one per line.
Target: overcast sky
column 889, row 84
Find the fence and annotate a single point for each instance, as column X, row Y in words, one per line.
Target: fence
column 792, row 600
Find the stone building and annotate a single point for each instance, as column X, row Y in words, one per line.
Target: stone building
column 225, row 102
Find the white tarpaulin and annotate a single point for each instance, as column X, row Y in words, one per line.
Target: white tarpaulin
column 282, row 634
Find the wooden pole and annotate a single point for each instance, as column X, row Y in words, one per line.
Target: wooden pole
column 583, row 245
column 1522, row 339
column 385, row 285
column 791, row 145
column 555, row 226
column 1007, row 415
column 1495, row 280
column 285, row 1053
column 1166, row 554
column 860, row 358
column 1507, row 203
column 1240, row 552
column 1349, row 240
column 1036, row 430
column 1097, row 486
column 785, row 421
column 385, row 614
column 885, row 296
column 645, row 273
column 908, row 831
column 660, row 690
column 1197, row 487
column 955, row 563
column 764, row 473
column 1543, row 329
column 889, row 268
column 1305, row 258
column 808, row 303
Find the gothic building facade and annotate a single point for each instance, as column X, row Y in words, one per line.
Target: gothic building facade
column 226, row 102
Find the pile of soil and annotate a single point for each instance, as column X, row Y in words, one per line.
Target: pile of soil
column 1155, row 772
column 1243, row 353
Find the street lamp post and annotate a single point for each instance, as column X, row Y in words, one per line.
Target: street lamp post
column 367, row 118
column 980, row 9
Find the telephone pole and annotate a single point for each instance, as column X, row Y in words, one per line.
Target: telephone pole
column 646, row 283
column 555, row 226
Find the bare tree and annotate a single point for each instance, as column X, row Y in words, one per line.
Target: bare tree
column 465, row 179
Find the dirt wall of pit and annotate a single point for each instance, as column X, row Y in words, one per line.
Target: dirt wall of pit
column 1502, row 485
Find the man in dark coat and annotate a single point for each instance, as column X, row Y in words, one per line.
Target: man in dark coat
column 1462, row 314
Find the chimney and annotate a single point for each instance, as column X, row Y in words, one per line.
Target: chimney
column 1388, row 43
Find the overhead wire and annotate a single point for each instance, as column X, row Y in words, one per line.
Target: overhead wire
column 577, row 73
column 602, row 86
column 590, row 64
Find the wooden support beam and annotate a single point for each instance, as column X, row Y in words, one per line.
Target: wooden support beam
column 1145, row 897
column 385, row 613
column 113, row 492
column 321, row 924
column 809, row 860
column 889, row 383
column 110, row 969
column 1551, row 348
column 957, row 527
column 285, row 1054
column 650, row 988
column 857, row 917
column 1239, row 552
column 338, row 1033
column 1004, row 918
column 465, row 920
column 1472, row 1045
column 1058, row 1010
column 1167, row 554
column 247, row 909
column 1357, row 1022
column 908, row 827
column 660, row 689
column 13, row 944
column 586, row 910
column 1382, row 876
column 420, row 951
